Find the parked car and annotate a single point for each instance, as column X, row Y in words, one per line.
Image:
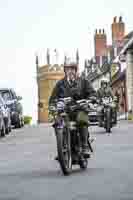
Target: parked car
column 16, row 109
column 6, row 115
column 2, row 124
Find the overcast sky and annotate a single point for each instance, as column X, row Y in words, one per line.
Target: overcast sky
column 28, row 26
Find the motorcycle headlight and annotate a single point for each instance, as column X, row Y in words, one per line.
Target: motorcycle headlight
column 60, row 105
column 99, row 108
column 113, row 105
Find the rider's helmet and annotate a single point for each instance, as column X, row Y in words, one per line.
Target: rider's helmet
column 70, row 70
column 70, row 66
column 104, row 81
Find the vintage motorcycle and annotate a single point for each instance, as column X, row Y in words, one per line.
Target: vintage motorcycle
column 67, row 134
column 93, row 114
column 109, row 113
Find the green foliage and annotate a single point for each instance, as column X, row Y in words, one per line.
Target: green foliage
column 50, row 118
column 130, row 115
column 27, row 119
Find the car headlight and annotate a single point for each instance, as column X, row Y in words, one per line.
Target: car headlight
column 13, row 112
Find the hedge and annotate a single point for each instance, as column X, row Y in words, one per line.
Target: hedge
column 27, row 119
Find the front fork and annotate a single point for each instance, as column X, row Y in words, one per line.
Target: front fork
column 80, row 143
column 90, row 147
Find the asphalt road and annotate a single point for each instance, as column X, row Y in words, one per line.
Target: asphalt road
column 28, row 170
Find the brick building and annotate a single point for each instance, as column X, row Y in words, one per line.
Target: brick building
column 103, row 51
column 115, row 61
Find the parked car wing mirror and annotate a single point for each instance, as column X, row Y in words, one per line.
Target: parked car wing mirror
column 5, row 106
column 19, row 97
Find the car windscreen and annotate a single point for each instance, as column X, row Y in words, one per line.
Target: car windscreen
column 1, row 101
column 6, row 95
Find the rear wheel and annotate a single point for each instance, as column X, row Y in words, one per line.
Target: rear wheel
column 22, row 123
column 10, row 126
column 10, row 129
column 115, row 117
column 6, row 123
column 64, row 150
column 3, row 132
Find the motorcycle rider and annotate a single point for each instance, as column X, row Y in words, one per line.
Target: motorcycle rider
column 104, row 91
column 78, row 88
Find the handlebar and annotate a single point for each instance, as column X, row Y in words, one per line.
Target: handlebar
column 71, row 104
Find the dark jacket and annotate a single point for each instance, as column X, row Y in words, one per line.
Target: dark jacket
column 104, row 93
column 79, row 90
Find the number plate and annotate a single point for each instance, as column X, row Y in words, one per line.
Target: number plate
column 93, row 113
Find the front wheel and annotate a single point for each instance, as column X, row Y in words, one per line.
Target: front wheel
column 83, row 164
column 18, row 124
column 64, row 150
column 108, row 120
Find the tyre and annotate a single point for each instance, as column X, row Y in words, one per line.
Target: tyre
column 22, row 123
column 83, row 164
column 6, row 123
column 10, row 126
column 115, row 117
column 7, row 131
column 108, row 120
column 2, row 132
column 64, row 150
column 18, row 124
column 10, row 129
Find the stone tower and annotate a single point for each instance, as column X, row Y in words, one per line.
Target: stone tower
column 47, row 77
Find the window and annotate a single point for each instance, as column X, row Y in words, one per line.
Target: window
column 13, row 94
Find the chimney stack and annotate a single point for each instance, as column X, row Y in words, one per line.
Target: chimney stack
column 118, row 31
column 115, row 18
column 120, row 19
column 100, row 40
